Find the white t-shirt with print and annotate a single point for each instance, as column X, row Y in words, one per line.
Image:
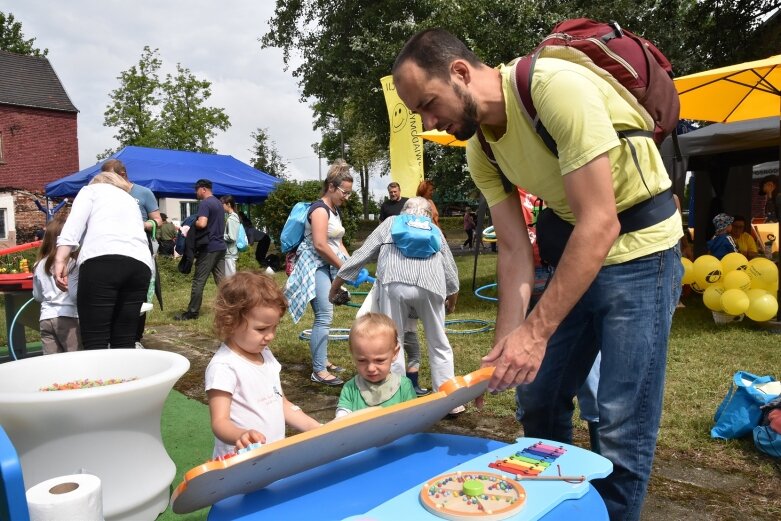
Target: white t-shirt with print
column 256, row 394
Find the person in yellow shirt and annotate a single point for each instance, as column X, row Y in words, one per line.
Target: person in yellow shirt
column 612, row 292
column 745, row 242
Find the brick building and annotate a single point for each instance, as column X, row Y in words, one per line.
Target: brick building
column 38, row 142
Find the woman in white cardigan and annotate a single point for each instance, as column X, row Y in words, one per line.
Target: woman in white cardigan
column 115, row 266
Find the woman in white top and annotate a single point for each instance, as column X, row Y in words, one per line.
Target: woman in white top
column 320, row 256
column 115, row 266
column 232, row 224
column 59, row 322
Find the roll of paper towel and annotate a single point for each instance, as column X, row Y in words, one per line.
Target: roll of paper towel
column 77, row 497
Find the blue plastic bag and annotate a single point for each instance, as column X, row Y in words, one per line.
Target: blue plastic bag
column 295, row 226
column 740, row 412
column 242, row 243
column 765, row 438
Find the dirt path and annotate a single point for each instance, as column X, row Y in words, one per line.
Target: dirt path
column 683, row 486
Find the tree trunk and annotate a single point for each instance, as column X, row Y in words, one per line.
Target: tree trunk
column 365, row 190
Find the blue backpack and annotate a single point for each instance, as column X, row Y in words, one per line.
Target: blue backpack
column 416, row 236
column 242, row 243
column 293, row 231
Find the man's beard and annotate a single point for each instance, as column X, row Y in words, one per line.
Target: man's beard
column 469, row 124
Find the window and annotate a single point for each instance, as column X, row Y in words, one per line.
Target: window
column 3, row 234
column 188, row 208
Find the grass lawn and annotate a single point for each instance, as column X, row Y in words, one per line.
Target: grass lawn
column 702, row 358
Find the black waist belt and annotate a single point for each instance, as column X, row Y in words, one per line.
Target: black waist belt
column 647, row 213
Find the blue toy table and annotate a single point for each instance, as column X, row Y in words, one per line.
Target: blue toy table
column 383, row 483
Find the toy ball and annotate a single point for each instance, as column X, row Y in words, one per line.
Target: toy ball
column 688, row 271
column 736, row 280
column 696, row 287
column 707, row 270
column 764, row 271
column 734, row 261
column 712, row 297
column 762, row 308
column 734, row 301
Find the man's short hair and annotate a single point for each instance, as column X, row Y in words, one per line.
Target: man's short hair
column 203, row 183
column 394, row 184
column 736, row 218
column 114, row 165
column 163, row 216
column 433, row 50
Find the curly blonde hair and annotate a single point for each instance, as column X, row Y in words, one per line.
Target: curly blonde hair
column 239, row 294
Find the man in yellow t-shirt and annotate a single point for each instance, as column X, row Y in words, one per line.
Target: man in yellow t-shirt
column 744, row 241
column 611, row 292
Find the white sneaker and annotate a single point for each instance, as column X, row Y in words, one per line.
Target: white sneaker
column 139, row 345
column 458, row 410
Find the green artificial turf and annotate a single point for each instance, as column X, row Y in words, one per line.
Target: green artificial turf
column 189, row 441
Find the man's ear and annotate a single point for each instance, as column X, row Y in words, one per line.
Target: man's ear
column 459, row 69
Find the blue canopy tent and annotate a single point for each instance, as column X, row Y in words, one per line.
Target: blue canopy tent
column 173, row 173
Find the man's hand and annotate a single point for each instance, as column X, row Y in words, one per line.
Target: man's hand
column 517, row 358
column 336, row 288
column 450, row 303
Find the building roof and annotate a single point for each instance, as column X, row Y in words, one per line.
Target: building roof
column 30, row 81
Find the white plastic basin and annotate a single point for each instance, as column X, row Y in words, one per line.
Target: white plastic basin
column 112, row 431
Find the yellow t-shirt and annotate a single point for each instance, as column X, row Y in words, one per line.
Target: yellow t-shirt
column 582, row 112
column 746, row 243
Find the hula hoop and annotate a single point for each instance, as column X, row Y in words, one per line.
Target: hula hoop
column 343, row 334
column 479, row 295
column 356, row 304
column 486, row 326
column 489, row 234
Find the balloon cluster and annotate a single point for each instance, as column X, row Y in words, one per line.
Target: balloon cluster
column 734, row 285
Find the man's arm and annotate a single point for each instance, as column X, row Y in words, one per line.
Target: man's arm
column 518, row 355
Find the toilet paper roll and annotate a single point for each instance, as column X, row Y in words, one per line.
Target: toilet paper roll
column 78, row 497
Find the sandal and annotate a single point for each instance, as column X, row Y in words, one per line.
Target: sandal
column 333, row 368
column 326, row 381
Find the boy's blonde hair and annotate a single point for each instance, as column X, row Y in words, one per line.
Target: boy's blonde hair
column 239, row 294
column 372, row 324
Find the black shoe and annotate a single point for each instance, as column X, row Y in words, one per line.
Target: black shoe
column 187, row 315
column 334, row 369
column 330, row 382
column 422, row 391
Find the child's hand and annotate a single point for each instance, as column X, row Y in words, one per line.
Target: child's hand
column 249, row 437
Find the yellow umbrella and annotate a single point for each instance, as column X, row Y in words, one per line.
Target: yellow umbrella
column 443, row 138
column 735, row 93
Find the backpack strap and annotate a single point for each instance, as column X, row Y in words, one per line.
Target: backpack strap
column 319, row 204
column 489, row 154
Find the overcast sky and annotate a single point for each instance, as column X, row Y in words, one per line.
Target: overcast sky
column 90, row 42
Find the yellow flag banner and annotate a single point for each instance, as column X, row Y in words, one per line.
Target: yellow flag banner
column 406, row 146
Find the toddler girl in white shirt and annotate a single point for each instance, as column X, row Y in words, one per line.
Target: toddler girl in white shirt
column 246, row 403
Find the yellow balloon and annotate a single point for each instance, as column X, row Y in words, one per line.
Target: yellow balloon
column 762, row 308
column 688, row 271
column 712, row 297
column 764, row 270
column 734, row 301
column 754, row 293
column 696, row 287
column 707, row 270
column 737, row 279
column 734, row 261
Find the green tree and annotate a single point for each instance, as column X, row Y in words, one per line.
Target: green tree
column 185, row 121
column 171, row 114
column 133, row 107
column 275, row 209
column 265, row 156
column 345, row 46
column 12, row 39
